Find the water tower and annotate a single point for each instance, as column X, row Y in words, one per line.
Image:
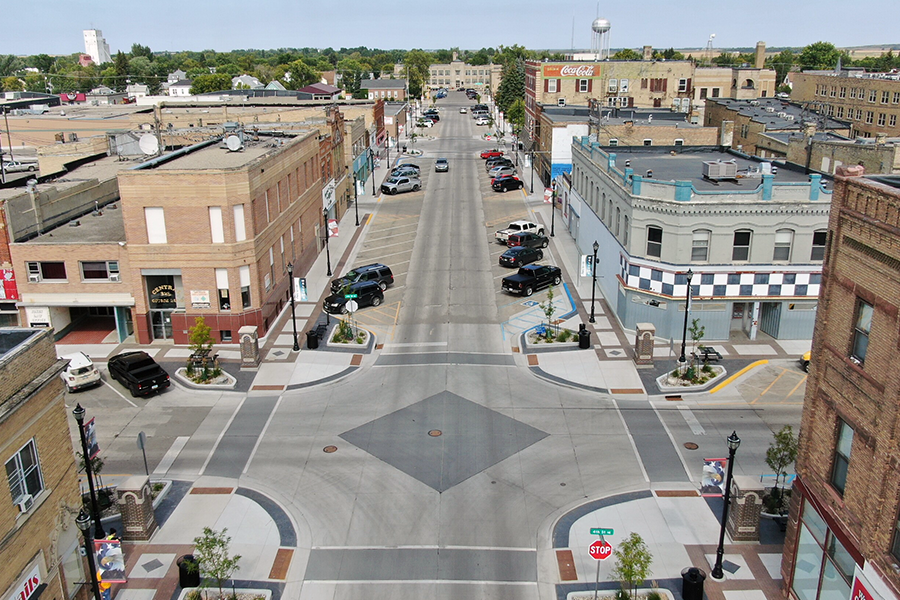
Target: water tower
column 600, row 39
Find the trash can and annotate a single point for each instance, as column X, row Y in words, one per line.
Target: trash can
column 692, row 583
column 584, row 337
column 404, row 148
column 188, row 571
column 312, row 340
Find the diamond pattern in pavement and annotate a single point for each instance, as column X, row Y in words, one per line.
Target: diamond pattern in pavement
column 472, row 439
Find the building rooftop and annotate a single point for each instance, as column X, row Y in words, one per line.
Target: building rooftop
column 562, row 114
column 891, row 180
column 13, row 337
column 387, row 84
column 687, row 165
column 394, row 108
column 217, row 156
column 103, row 169
column 98, row 227
column 819, row 136
column 778, row 114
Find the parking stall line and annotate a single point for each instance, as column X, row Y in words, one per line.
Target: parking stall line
column 796, row 387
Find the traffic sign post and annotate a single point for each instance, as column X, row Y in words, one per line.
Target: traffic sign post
column 600, row 550
column 601, row 532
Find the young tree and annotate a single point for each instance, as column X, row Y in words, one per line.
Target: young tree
column 548, row 309
column 212, row 555
column 697, row 332
column 781, row 454
column 200, row 335
column 633, row 560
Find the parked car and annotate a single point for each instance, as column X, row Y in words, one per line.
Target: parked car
column 528, row 239
column 15, row 166
column 497, row 161
column 492, row 153
column 482, row 121
column 377, row 272
column 520, row 256
column 804, row 361
column 138, row 372
column 483, row 107
column 408, row 166
column 394, row 185
column 504, row 184
column 517, row 227
column 441, row 165
column 423, row 122
column 367, row 293
column 405, row 172
column 501, row 170
column 432, row 114
column 463, row 110
column 80, row 372
column 531, row 278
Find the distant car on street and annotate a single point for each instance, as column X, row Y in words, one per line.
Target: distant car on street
column 15, row 166
column 492, row 153
column 463, row 110
column 528, row 239
column 441, row 165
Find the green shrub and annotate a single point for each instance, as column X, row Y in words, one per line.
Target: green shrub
column 564, row 335
column 194, row 595
column 622, row 594
column 653, row 595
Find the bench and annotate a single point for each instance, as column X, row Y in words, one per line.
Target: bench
column 706, row 353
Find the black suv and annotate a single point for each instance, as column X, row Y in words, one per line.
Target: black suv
column 527, row 239
column 377, row 272
column 368, row 293
column 432, row 114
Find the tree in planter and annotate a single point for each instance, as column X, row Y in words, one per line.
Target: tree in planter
column 633, row 560
column 697, row 332
column 781, row 454
column 201, row 342
column 548, row 309
column 213, row 557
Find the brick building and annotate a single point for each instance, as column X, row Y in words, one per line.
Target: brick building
column 40, row 542
column 825, row 152
column 385, row 89
column 870, row 102
column 844, row 530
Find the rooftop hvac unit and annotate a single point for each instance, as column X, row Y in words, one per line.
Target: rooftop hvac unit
column 717, row 169
column 770, row 109
column 782, row 115
column 789, row 117
column 754, row 103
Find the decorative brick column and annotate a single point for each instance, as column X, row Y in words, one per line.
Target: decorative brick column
column 249, row 338
column 746, row 505
column 643, row 343
column 136, row 507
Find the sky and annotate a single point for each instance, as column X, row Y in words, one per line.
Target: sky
column 55, row 26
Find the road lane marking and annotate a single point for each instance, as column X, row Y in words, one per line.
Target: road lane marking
column 752, row 365
column 799, row 383
column 637, row 454
column 262, row 434
column 691, row 420
column 169, row 458
column 684, row 464
column 221, row 435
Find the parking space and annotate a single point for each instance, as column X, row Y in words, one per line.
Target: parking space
column 780, row 382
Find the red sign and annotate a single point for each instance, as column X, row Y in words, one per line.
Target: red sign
column 560, row 71
column 600, row 550
column 860, row 592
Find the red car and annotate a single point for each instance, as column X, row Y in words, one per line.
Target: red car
column 495, row 153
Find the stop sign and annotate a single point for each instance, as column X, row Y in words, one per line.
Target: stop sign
column 600, row 550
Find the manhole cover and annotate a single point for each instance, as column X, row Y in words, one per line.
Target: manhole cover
column 329, row 449
column 691, row 445
column 435, row 432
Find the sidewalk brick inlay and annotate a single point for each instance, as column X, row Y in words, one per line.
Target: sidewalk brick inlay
column 626, row 391
column 282, row 563
column 532, row 360
column 676, row 493
column 566, row 565
column 266, row 388
column 212, row 490
column 356, row 360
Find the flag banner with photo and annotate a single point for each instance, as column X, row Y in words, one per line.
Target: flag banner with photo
column 90, row 435
column 332, row 228
column 548, row 196
column 110, row 561
column 712, row 482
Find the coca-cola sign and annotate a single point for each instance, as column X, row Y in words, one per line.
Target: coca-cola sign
column 580, row 71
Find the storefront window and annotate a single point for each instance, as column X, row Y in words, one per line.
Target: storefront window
column 821, row 575
column 807, row 566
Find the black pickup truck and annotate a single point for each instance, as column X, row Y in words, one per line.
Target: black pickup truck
column 531, row 278
column 138, row 372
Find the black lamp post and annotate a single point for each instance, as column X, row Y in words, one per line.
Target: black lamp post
column 78, row 413
column 553, row 210
column 327, row 235
column 594, row 279
column 532, row 169
column 372, row 161
column 290, row 270
column 355, row 199
column 733, row 442
column 83, row 520
column 689, row 275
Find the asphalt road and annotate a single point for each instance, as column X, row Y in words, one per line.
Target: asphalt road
column 446, row 441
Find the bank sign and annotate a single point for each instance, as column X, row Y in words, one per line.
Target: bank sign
column 571, row 71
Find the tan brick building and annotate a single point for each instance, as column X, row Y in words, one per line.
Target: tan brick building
column 870, row 102
column 40, row 542
column 210, row 233
column 844, row 528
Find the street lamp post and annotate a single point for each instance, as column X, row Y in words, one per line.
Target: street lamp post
column 553, row 210
column 532, row 169
column 355, row 199
column 290, row 270
column 78, row 413
column 372, row 160
column 689, row 275
column 594, row 279
column 83, row 520
column 327, row 250
column 733, row 442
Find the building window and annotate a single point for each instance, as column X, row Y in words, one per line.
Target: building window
column 840, row 112
column 23, row 472
column 679, row 142
column 861, row 329
column 842, row 456
column 873, row 95
column 858, row 114
column 625, row 233
column 613, row 142
column 683, row 85
column 895, row 98
column 700, row 245
column 648, row 142
column 654, row 241
column 46, row 271
column 818, row 245
column 741, row 247
column 881, row 119
column 100, row 271
column 613, row 86
column 551, row 86
column 583, row 85
column 244, row 273
column 222, row 287
column 892, row 121
column 155, row 218
column 623, row 85
column 618, row 220
column 215, row 225
column 784, row 238
column 715, row 92
column 702, row 93
column 225, row 335
column 832, row 92
column 745, row 131
column 843, row 92
column 823, row 567
column 885, row 96
column 852, row 93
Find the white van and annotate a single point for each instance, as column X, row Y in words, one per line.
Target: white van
column 80, row 373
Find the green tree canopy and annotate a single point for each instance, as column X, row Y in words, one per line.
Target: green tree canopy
column 512, row 85
column 9, row 65
column 11, row 84
column 351, row 72
column 211, row 83
column 42, row 62
column 36, row 82
column 781, row 63
column 302, row 74
column 138, row 50
column 516, row 115
column 418, row 63
column 627, row 54
column 819, row 55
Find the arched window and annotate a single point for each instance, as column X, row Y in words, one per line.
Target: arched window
column 784, row 239
column 603, row 208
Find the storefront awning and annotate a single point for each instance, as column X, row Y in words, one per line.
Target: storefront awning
column 122, row 299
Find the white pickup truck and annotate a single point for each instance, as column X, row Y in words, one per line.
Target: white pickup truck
column 502, row 236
